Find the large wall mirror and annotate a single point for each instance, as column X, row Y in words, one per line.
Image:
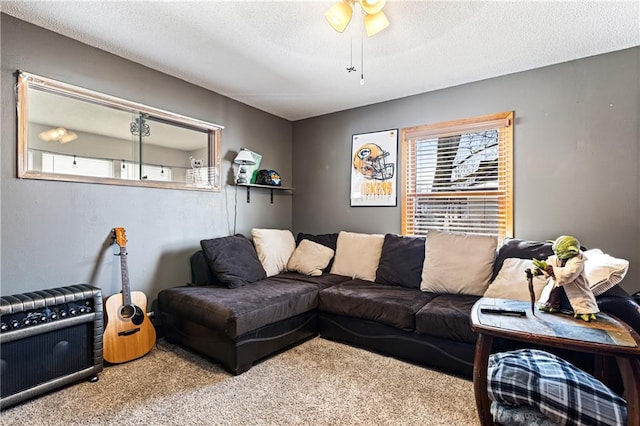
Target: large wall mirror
column 74, row 134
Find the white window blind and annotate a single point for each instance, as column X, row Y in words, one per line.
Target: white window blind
column 458, row 176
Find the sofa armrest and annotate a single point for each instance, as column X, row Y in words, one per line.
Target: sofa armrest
column 617, row 302
column 200, row 272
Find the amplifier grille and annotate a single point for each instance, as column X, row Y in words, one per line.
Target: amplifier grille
column 48, row 356
column 45, row 353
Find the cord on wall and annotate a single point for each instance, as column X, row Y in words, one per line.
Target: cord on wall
column 235, row 210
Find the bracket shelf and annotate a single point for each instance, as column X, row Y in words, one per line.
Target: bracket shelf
column 269, row 187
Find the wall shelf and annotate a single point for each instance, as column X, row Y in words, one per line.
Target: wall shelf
column 269, row 187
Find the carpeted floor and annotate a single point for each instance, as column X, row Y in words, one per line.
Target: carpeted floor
column 319, row 382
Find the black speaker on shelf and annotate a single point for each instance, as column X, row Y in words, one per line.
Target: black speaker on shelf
column 49, row 339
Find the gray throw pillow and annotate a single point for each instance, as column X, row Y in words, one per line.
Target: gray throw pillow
column 233, row 260
column 520, row 249
column 401, row 261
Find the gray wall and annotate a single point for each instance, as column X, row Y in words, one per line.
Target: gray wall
column 576, row 147
column 2, row 125
column 57, row 233
column 576, row 126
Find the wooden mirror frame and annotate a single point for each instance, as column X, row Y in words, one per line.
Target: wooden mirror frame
column 27, row 81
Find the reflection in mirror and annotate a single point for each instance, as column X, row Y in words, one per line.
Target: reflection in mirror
column 70, row 133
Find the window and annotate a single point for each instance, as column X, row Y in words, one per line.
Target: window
column 458, row 176
column 74, row 165
column 130, row 170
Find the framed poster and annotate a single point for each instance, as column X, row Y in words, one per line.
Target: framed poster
column 373, row 168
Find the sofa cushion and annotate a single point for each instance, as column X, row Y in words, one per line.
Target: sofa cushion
column 233, row 260
column 401, row 261
column 274, row 248
column 327, row 240
column 310, row 258
column 357, row 255
column 391, row 305
column 447, row 316
column 458, row 263
column 236, row 311
column 322, row 281
column 512, row 282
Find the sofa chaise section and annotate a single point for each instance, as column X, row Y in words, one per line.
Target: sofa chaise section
column 238, row 326
column 241, row 325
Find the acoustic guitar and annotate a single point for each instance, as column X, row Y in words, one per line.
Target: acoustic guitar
column 129, row 333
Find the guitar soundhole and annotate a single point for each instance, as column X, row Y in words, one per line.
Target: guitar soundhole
column 133, row 313
column 127, row 311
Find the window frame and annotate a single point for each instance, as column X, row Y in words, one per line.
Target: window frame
column 504, row 122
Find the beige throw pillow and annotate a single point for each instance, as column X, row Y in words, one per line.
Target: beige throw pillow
column 512, row 283
column 274, row 248
column 357, row 255
column 603, row 271
column 458, row 263
column 310, row 258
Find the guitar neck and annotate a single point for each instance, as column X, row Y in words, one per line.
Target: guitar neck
column 124, row 271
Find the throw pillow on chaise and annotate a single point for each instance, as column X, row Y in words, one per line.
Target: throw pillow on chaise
column 274, row 247
column 233, row 260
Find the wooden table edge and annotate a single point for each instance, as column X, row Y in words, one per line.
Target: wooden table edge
column 628, row 360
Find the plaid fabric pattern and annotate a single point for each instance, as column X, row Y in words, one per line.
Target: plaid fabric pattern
column 560, row 391
column 519, row 416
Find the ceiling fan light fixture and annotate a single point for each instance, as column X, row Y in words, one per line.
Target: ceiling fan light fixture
column 372, row 7
column 68, row 137
column 375, row 23
column 339, row 15
column 59, row 134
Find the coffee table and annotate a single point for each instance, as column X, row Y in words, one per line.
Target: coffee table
column 605, row 337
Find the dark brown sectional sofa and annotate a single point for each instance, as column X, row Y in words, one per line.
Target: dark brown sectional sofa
column 239, row 326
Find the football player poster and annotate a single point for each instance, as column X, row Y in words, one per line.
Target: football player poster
column 373, row 168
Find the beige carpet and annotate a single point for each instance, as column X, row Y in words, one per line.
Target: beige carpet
column 316, row 383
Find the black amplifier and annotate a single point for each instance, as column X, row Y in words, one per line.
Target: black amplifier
column 48, row 339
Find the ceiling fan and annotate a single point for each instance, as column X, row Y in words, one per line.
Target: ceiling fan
column 339, row 15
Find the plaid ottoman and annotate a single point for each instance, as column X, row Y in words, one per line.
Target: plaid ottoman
column 563, row 393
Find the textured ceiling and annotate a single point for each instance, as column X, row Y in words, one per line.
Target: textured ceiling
column 283, row 58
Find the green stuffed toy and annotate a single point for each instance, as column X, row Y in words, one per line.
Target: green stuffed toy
column 566, row 269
